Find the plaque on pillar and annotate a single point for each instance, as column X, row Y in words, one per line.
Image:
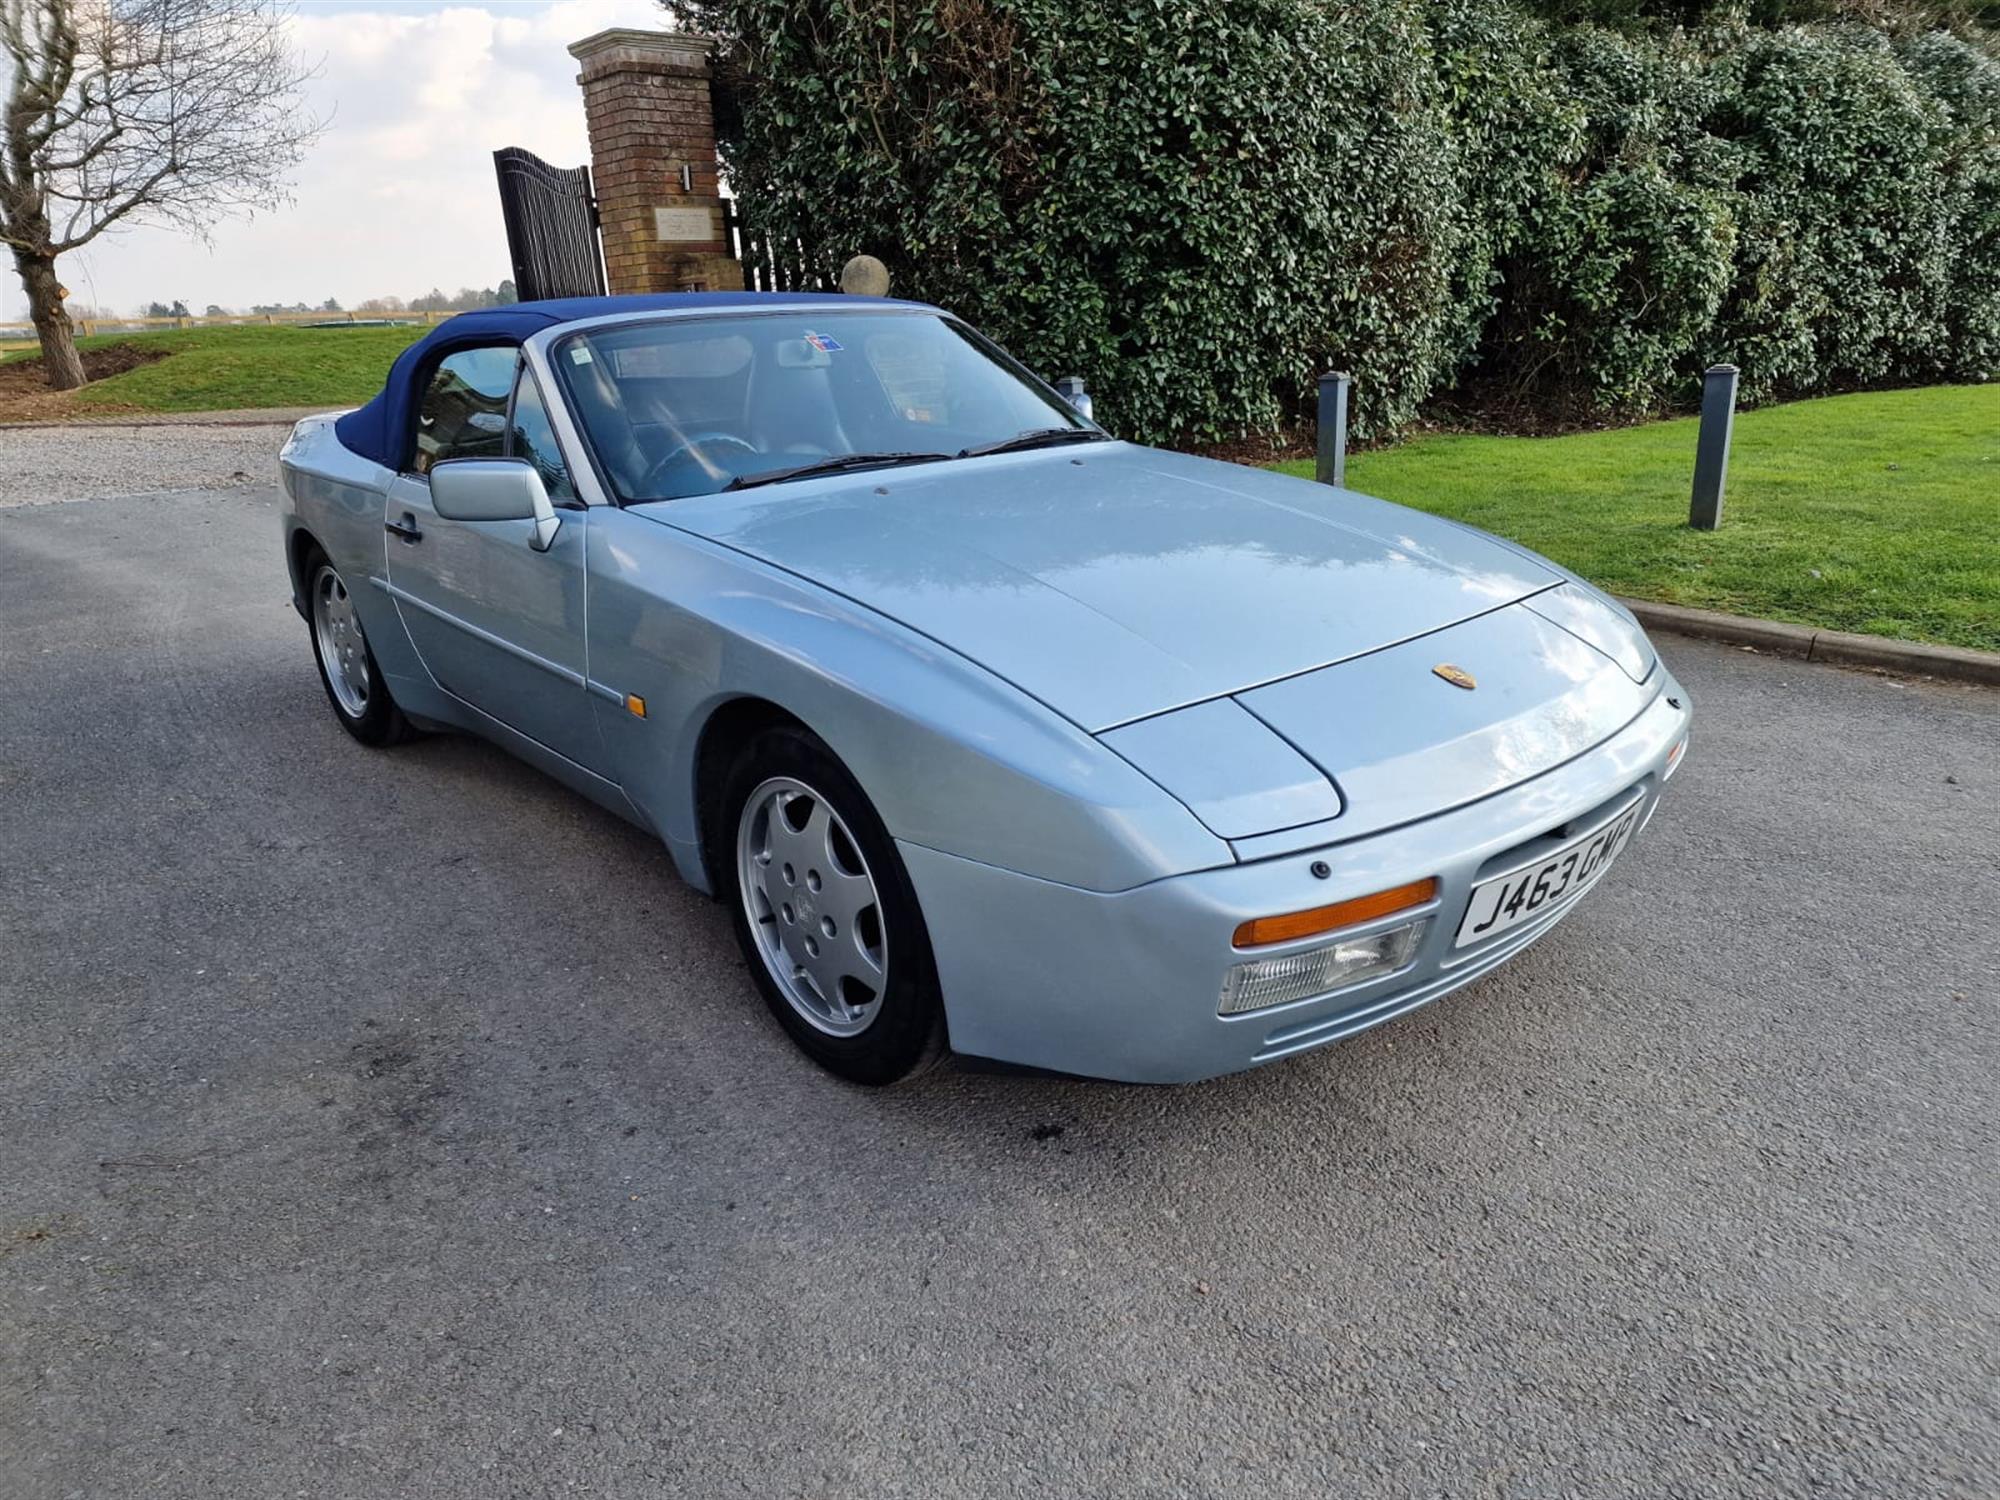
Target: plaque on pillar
column 684, row 226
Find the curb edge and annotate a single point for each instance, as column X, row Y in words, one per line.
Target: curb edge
column 1832, row 647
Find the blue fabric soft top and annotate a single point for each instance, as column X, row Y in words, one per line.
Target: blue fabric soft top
column 381, row 430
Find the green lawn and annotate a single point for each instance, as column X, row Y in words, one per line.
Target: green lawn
column 223, row 368
column 1877, row 513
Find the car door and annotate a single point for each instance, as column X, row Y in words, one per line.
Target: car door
column 497, row 623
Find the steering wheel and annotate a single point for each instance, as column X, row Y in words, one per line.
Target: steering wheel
column 684, row 450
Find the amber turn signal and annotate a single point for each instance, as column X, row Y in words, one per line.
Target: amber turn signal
column 635, row 705
column 1259, row 931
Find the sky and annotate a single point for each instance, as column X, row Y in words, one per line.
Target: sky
column 398, row 195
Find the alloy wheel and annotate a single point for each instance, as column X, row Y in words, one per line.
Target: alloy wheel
column 813, row 906
column 337, row 635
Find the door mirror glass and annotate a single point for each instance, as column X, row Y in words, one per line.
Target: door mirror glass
column 494, row 489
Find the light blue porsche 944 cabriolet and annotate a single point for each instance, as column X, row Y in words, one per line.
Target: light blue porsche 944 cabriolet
column 996, row 734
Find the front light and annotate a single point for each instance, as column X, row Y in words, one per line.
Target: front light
column 1274, row 981
column 1593, row 617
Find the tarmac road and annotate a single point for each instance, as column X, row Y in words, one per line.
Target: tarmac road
column 393, row 1124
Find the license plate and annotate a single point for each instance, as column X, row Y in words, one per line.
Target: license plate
column 1505, row 900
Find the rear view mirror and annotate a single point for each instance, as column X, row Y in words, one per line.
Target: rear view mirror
column 495, row 489
column 801, row 354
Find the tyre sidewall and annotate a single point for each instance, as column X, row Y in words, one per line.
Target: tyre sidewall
column 908, row 1033
column 381, row 723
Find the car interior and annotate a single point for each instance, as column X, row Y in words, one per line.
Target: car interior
column 676, row 411
column 682, row 407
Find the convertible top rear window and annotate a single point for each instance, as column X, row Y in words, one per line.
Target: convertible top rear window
column 690, row 406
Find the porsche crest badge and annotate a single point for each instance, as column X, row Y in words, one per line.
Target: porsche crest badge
column 1456, row 676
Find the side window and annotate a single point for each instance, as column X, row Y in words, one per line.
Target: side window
column 464, row 410
column 532, row 438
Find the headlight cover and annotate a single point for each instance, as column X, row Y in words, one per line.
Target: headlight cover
column 1230, row 770
column 1591, row 617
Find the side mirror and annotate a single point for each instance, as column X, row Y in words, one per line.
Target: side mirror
column 1070, row 388
column 495, row 489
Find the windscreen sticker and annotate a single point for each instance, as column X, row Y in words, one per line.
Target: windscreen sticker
column 823, row 342
column 579, row 354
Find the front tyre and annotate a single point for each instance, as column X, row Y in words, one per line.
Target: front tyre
column 347, row 669
column 825, row 913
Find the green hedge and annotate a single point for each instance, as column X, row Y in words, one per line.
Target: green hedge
column 1844, row 271
column 1200, row 209
column 1620, row 246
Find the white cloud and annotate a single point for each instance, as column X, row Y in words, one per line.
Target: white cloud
column 398, row 196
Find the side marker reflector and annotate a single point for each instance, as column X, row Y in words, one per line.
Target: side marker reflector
column 635, row 705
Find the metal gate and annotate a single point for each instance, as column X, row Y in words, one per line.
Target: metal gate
column 551, row 221
column 770, row 264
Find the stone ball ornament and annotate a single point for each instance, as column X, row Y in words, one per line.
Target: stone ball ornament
column 865, row 276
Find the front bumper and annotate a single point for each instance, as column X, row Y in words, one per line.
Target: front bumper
column 1126, row 985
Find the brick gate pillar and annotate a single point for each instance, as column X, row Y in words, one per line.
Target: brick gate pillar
column 652, row 161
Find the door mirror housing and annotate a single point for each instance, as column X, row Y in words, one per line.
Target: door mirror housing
column 1070, row 388
column 495, row 489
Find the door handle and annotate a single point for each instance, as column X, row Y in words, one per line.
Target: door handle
column 405, row 528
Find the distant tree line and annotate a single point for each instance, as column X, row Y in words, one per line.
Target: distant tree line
column 435, row 300
column 466, row 299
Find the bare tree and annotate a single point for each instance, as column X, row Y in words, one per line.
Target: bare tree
column 122, row 112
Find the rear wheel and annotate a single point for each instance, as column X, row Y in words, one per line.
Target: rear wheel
column 825, row 913
column 347, row 669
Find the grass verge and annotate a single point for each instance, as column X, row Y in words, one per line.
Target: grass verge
column 1877, row 513
column 229, row 368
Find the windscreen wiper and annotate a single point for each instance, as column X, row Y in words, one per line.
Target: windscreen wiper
column 1039, row 437
column 834, row 465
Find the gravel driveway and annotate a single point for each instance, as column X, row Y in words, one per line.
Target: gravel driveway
column 78, row 462
column 392, row 1124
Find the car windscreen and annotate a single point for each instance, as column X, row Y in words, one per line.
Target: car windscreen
column 690, row 406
